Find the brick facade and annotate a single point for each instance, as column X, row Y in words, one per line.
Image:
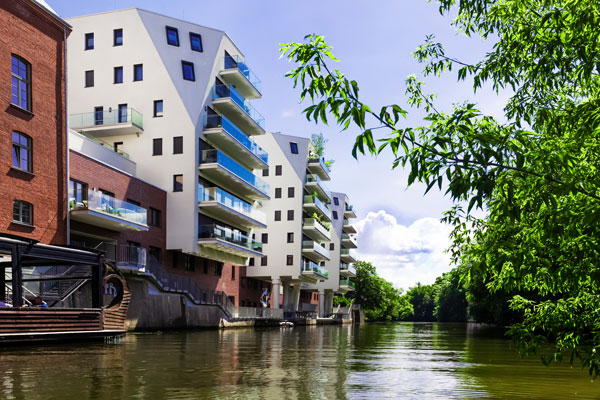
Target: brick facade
column 32, row 34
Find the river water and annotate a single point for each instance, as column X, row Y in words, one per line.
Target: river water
column 373, row 361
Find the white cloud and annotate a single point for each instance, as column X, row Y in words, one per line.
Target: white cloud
column 404, row 255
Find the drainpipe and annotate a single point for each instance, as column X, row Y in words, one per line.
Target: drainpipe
column 66, row 134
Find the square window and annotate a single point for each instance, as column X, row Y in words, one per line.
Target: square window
column 196, row 41
column 188, row 71
column 289, row 260
column 277, row 215
column 263, row 261
column 265, row 172
column 89, row 41
column 118, row 37
column 138, row 72
column 172, row 36
column 290, row 192
column 157, row 147
column 178, row 183
column 118, row 75
column 158, row 108
column 22, row 212
column 89, row 78
column 264, row 238
column 178, row 145
column 277, row 193
column 336, row 201
column 290, row 237
column 278, row 170
column 335, row 216
column 294, row 147
column 290, row 215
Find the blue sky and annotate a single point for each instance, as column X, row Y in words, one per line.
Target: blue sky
column 373, row 41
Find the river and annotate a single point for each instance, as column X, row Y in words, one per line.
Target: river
column 373, row 361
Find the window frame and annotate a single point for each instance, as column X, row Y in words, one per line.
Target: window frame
column 177, row 144
column 263, row 261
column 115, row 31
column 277, row 193
column 265, row 172
column 336, row 201
column 136, row 68
column 290, row 215
column 155, row 217
column 294, row 147
column 177, row 186
column 196, row 35
column 21, row 81
column 264, row 238
column 172, row 28
column 334, row 214
column 188, row 64
column 115, row 70
column 289, row 259
column 290, row 237
column 291, row 192
column 277, row 216
column 86, row 44
column 22, row 203
column 89, row 82
column 156, row 113
column 278, row 170
column 28, row 149
column 155, row 142
column 75, row 187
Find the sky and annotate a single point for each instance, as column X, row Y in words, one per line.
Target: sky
column 399, row 229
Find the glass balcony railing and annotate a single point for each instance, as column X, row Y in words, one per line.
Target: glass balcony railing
column 348, row 252
column 347, row 267
column 321, row 161
column 319, row 204
column 233, row 62
column 311, row 266
column 346, row 236
column 229, row 200
column 229, row 235
column 223, row 91
column 216, row 156
column 312, row 245
column 106, row 204
column 347, row 282
column 99, row 118
column 314, row 178
column 220, row 121
column 106, row 145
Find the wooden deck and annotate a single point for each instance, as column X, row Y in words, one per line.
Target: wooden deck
column 62, row 336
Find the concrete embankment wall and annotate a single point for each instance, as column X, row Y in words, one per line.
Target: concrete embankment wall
column 151, row 309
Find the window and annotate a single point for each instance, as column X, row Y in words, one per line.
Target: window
column 138, row 72
column 233, row 272
column 218, row 268
column 290, row 215
column 118, row 75
column 21, row 82
column 263, row 261
column 290, row 237
column 277, row 193
column 265, row 172
column 22, row 212
column 331, row 246
column 118, row 37
column 172, row 36
column 98, row 115
column 178, row 145
column 158, row 108
column 22, row 150
column 157, row 147
column 336, row 201
column 250, row 264
column 294, row 147
column 122, row 116
column 290, row 192
column 188, row 262
column 188, row 71
column 278, row 170
column 89, row 41
column 155, row 253
column 264, row 238
column 178, row 183
column 89, row 78
column 77, row 193
column 277, row 215
column 196, row 41
column 334, row 214
column 155, row 217
column 290, row 260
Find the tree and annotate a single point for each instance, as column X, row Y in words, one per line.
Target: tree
column 422, row 298
column 318, row 142
column 450, row 299
column 536, row 175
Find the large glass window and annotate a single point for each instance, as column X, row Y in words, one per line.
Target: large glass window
column 138, row 72
column 89, row 41
column 172, row 36
column 22, row 212
column 98, row 115
column 122, row 117
column 77, row 192
column 118, row 37
column 22, row 150
column 21, row 82
column 196, row 41
column 188, row 71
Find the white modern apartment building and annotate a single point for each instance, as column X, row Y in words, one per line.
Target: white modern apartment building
column 175, row 96
column 301, row 245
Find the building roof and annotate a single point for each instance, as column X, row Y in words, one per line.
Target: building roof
column 46, row 7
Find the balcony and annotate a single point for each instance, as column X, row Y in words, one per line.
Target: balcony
column 347, row 270
column 346, row 285
column 105, row 211
column 314, row 184
column 237, row 73
column 347, row 256
column 109, row 123
column 314, row 251
column 349, row 211
column 228, row 101
column 316, row 230
column 314, row 205
column 348, row 241
column 317, row 166
column 228, row 240
column 223, row 206
column 347, row 227
column 223, row 134
column 222, row 170
column 312, row 272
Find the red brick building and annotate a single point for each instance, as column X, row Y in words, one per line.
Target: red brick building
column 32, row 89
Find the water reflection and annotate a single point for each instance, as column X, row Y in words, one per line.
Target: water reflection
column 372, row 361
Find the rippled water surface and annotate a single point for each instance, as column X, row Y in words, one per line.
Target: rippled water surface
column 373, row 361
